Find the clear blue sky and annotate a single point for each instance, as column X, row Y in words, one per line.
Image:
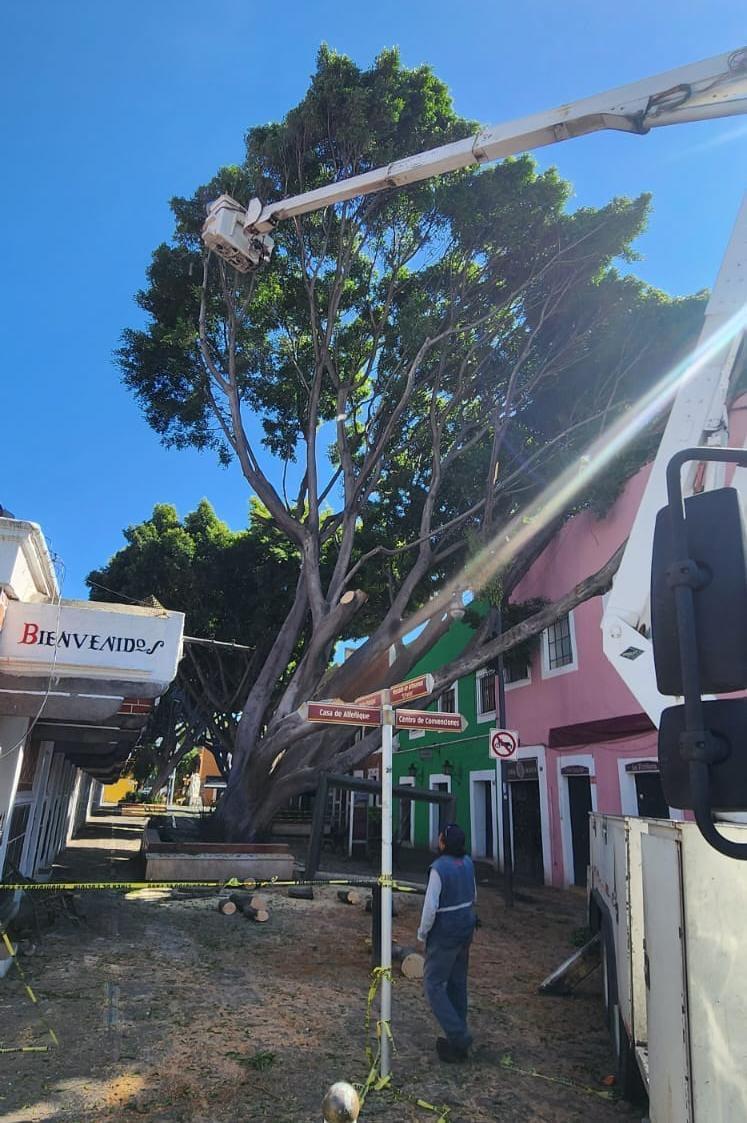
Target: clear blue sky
column 110, row 107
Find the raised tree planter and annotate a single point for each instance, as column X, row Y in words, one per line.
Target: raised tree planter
column 141, row 809
column 213, row 861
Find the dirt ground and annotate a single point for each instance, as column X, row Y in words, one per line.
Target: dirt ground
column 167, row 1011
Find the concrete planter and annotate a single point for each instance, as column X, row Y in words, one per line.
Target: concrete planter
column 213, row 861
column 141, row 809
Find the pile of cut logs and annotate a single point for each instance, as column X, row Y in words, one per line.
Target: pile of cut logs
column 251, row 905
column 254, row 907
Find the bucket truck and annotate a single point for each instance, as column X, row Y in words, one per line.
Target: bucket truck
column 671, row 909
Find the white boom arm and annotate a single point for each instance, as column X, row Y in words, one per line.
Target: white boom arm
column 698, row 417
column 715, row 87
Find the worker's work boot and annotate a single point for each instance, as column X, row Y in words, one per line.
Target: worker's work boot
column 449, row 1053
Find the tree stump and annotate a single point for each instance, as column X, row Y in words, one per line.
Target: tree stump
column 411, row 962
column 301, row 892
column 349, row 896
column 259, row 916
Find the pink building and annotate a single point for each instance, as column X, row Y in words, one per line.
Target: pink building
column 585, row 743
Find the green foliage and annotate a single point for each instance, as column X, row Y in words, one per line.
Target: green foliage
column 449, row 348
column 495, row 245
column 233, row 586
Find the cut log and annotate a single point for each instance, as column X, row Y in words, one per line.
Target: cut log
column 349, row 896
column 301, row 892
column 413, row 965
column 228, row 908
column 411, row 962
column 241, row 900
column 259, row 916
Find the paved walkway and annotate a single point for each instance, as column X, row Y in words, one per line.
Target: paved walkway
column 106, row 849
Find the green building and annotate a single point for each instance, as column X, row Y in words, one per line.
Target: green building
column 455, row 762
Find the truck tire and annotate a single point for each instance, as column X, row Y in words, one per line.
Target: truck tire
column 629, row 1081
column 609, row 984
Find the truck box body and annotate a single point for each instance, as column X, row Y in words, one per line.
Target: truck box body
column 673, row 914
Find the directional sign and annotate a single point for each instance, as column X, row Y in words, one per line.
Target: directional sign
column 375, row 699
column 340, row 713
column 411, row 689
column 430, row 720
column 401, row 692
column 503, row 743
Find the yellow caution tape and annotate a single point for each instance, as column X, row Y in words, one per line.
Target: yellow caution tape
column 375, row 1082
column 22, row 975
column 24, row 1048
column 232, row 883
column 507, row 1061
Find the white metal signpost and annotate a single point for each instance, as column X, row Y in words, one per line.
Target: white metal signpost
column 502, row 747
column 371, row 710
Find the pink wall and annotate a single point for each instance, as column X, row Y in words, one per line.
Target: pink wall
column 593, row 692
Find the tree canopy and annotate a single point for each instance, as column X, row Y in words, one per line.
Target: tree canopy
column 421, row 364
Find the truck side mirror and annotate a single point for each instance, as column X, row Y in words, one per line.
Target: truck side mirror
column 699, row 635
column 725, row 721
column 717, row 567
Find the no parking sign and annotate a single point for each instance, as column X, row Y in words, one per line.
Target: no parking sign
column 503, row 743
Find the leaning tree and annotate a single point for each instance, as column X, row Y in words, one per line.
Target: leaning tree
column 399, row 387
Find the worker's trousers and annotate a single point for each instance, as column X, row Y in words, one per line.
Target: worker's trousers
column 446, row 964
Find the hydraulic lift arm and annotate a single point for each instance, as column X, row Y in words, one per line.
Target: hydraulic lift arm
column 698, row 417
column 715, row 87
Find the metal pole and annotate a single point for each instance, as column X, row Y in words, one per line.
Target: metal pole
column 508, row 858
column 386, row 888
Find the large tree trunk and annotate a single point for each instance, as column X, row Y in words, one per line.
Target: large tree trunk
column 288, row 760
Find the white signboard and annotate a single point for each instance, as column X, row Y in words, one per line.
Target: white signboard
column 89, row 639
column 503, row 743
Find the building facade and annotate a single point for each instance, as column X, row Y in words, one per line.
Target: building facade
column 459, row 763
column 77, row 683
column 584, row 743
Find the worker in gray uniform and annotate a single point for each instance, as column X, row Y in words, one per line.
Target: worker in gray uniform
column 447, row 926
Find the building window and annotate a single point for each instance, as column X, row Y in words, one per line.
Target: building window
column 515, row 671
column 447, row 703
column 486, row 694
column 559, row 647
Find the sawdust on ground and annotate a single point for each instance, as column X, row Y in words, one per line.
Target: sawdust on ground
column 167, row 1011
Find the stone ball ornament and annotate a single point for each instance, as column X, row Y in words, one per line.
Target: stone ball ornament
column 341, row 1104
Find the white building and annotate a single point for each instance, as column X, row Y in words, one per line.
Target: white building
column 77, row 682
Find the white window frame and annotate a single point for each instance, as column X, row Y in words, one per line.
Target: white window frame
column 553, row 672
column 409, row 782
column 628, row 794
column 455, row 687
column 434, row 809
column 566, row 833
column 489, row 715
column 520, row 681
column 527, row 752
column 483, row 776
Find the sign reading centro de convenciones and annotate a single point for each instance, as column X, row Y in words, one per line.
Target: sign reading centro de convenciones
column 89, row 638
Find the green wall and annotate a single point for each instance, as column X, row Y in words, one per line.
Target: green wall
column 467, row 752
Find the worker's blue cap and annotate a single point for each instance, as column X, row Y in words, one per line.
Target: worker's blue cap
column 453, row 835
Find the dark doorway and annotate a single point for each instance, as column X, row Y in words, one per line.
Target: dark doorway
column 527, row 830
column 650, row 796
column 579, row 798
column 488, row 811
column 438, row 813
